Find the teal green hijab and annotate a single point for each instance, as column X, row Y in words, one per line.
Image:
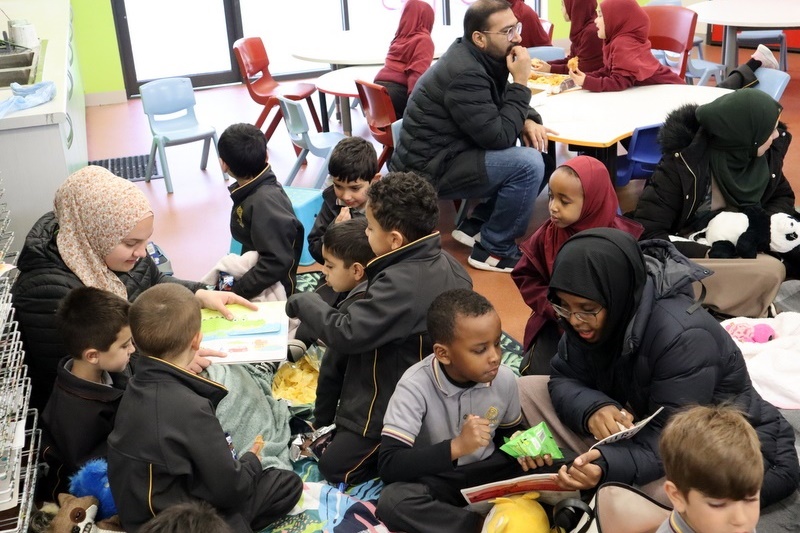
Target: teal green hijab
column 736, row 125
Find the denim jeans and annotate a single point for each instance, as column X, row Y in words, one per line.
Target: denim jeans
column 514, row 176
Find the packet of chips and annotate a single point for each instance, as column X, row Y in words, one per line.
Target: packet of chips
column 533, row 442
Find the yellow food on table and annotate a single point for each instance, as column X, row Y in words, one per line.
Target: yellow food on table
column 553, row 79
column 572, row 64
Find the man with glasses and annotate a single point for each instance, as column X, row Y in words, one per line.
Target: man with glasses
column 460, row 130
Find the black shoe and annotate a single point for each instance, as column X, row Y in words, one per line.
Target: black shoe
column 468, row 232
column 481, row 259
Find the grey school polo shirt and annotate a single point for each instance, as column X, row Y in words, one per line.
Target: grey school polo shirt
column 426, row 408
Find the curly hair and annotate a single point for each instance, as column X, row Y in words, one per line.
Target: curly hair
column 404, row 202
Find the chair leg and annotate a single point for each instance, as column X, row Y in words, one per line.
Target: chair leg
column 323, row 172
column 204, row 159
column 273, row 125
column 162, row 156
column 216, row 151
column 262, row 117
column 385, row 155
column 296, row 167
column 151, row 161
column 314, row 115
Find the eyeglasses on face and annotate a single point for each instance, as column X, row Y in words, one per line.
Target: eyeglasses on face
column 587, row 317
column 510, row 33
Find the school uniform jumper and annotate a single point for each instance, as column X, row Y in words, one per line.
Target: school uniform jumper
column 584, row 42
column 426, row 412
column 76, row 423
column 382, row 335
column 262, row 219
column 168, row 447
column 331, row 206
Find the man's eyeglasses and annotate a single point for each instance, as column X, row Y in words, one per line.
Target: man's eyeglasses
column 509, row 33
column 587, row 317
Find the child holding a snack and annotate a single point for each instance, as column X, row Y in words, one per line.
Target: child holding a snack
column 585, row 48
column 627, row 59
column 446, row 420
column 582, row 196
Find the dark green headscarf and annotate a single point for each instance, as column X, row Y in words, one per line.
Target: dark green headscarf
column 736, row 125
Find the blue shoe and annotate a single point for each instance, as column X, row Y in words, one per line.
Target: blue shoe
column 481, row 259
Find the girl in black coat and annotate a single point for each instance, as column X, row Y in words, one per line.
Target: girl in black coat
column 635, row 340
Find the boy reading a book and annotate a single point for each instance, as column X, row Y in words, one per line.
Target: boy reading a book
column 383, row 333
column 446, row 420
column 168, row 446
column 714, row 470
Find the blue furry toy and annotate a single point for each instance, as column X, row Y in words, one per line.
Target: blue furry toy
column 92, row 480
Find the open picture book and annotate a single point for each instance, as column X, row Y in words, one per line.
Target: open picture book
column 479, row 498
column 251, row 337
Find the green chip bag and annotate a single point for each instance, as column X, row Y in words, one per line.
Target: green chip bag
column 533, row 442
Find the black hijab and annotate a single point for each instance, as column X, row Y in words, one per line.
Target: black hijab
column 604, row 265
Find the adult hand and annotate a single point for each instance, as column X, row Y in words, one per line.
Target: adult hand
column 344, row 214
column 201, row 359
column 582, row 475
column 217, row 300
column 532, row 463
column 607, row 420
column 535, row 135
column 519, row 64
column 577, row 76
column 540, row 66
column 475, row 434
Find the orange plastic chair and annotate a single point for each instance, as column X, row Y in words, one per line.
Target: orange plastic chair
column 253, row 60
column 672, row 30
column 380, row 115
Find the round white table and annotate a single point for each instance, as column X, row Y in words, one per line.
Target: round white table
column 735, row 15
column 341, row 83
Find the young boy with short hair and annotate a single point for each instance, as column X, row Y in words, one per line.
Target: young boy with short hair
column 262, row 217
column 187, row 517
column 80, row 413
column 714, row 470
column 383, row 333
column 446, row 420
column 346, row 250
column 353, row 166
column 168, row 446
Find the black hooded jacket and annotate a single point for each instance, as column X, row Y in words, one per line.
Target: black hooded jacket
column 674, row 355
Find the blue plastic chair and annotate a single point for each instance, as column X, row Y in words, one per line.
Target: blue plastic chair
column 319, row 144
column 161, row 99
column 771, row 81
column 644, row 153
column 755, row 37
column 547, row 53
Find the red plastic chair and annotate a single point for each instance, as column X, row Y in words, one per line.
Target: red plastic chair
column 252, row 58
column 380, row 115
column 672, row 30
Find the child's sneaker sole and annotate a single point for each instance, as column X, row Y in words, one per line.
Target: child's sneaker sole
column 481, row 259
column 466, row 240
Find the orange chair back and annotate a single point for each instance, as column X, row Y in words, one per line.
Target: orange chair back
column 252, row 59
column 379, row 110
column 672, row 30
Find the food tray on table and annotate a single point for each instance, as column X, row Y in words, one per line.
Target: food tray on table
column 549, row 83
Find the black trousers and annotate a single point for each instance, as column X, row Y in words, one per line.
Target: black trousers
column 277, row 491
column 435, row 504
column 350, row 458
column 399, row 95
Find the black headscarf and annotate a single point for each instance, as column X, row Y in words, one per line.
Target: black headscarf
column 604, row 265
column 736, row 125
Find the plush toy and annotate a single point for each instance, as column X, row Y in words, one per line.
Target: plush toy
column 783, row 230
column 745, row 332
column 517, row 514
column 74, row 515
column 739, row 234
column 92, row 480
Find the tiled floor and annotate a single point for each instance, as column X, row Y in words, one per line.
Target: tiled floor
column 192, row 224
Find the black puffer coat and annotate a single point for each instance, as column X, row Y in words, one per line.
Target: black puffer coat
column 44, row 279
column 679, row 184
column 672, row 358
column 462, row 106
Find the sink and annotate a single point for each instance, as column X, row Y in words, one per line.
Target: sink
column 19, row 67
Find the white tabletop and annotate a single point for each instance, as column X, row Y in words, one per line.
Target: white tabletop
column 364, row 47
column 747, row 13
column 341, row 82
column 601, row 119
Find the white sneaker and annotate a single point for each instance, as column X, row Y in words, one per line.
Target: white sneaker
column 766, row 57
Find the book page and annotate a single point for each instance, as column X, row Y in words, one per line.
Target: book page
column 251, row 337
column 549, row 491
column 627, row 433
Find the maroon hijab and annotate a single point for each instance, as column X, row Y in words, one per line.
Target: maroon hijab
column 416, row 23
column 532, row 32
column 627, row 47
column 599, row 211
column 581, row 14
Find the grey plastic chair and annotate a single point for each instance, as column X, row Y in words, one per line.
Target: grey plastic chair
column 755, row 37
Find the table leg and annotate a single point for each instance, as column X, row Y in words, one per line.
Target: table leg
column 323, row 106
column 344, row 109
column 730, row 48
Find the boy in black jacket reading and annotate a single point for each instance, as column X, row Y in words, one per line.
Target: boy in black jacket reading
column 383, row 333
column 80, row 413
column 262, row 217
column 168, row 446
column 353, row 166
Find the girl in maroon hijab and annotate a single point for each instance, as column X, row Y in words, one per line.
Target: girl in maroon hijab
column 581, row 197
column 533, row 33
column 410, row 53
column 584, row 42
column 627, row 58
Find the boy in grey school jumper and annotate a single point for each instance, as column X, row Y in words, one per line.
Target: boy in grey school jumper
column 445, row 421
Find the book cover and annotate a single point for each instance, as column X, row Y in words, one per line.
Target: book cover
column 251, row 337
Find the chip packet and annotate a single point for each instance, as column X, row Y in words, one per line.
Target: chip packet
column 532, row 442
